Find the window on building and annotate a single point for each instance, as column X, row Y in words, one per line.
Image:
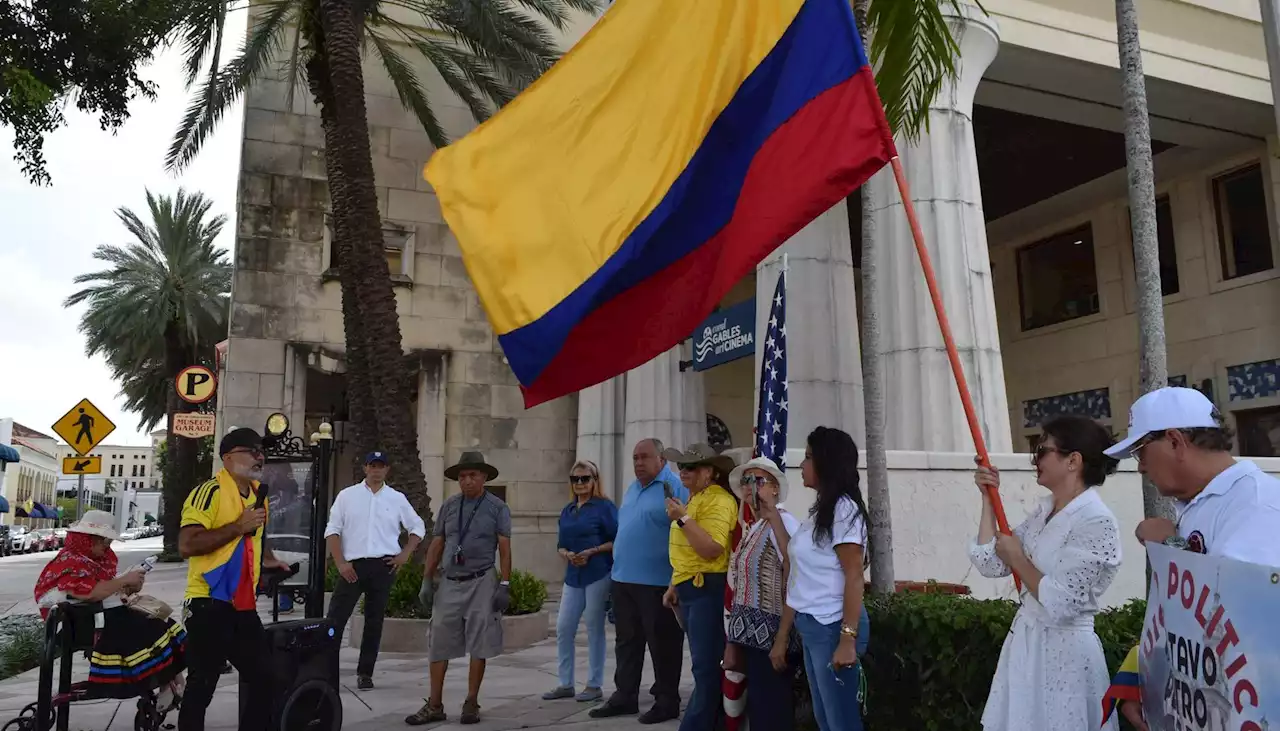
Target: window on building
column 1258, row 432
column 1165, row 242
column 1244, row 229
column 397, row 242
column 1057, row 279
column 142, row 470
column 135, row 470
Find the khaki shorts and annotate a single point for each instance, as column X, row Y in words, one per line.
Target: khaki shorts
column 463, row 621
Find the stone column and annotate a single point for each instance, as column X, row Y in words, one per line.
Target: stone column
column 666, row 403
column 601, row 428
column 924, row 411
column 824, row 369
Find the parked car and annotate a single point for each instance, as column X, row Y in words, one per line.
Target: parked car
column 61, row 535
column 22, row 540
column 129, row 535
column 47, row 541
column 5, row 547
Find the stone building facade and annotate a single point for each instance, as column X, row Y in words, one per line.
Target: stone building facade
column 1020, row 186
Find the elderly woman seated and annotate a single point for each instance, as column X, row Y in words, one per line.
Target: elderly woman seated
column 134, row 652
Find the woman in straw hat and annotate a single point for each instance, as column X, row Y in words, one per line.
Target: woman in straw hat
column 761, row 643
column 135, row 652
column 699, row 547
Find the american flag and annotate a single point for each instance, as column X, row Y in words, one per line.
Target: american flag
column 771, row 421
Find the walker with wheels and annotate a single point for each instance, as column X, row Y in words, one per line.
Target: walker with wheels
column 70, row 629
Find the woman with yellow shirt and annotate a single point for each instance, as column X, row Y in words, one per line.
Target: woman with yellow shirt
column 699, row 549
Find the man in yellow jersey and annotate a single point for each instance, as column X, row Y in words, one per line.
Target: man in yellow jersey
column 221, row 537
column 699, row 549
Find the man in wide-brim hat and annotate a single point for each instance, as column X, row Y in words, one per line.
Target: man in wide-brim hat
column 466, row 611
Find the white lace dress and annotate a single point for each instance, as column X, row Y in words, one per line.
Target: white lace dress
column 1052, row 672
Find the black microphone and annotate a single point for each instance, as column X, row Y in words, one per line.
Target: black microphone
column 263, row 489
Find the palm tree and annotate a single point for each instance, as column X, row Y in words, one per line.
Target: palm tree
column 486, row 51
column 160, row 306
column 1153, row 368
column 914, row 53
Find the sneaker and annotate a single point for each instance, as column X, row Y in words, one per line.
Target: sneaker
column 658, row 714
column 589, row 695
column 563, row 691
column 364, row 682
column 427, row 714
column 609, row 710
column 470, row 712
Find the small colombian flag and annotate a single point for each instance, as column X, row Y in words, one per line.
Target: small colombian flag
column 1125, row 686
column 607, row 210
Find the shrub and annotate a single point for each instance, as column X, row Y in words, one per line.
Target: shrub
column 21, row 644
column 932, row 656
column 527, row 593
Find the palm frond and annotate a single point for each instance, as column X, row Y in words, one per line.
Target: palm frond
column 170, row 281
column 914, row 54
column 408, row 87
column 224, row 86
column 201, row 36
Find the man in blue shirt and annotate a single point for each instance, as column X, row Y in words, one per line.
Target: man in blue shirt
column 641, row 574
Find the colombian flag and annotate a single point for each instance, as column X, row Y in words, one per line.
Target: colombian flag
column 606, row 211
column 1125, row 686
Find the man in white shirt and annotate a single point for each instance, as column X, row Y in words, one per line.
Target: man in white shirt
column 363, row 537
column 1225, row 507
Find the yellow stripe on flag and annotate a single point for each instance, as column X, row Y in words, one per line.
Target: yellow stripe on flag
column 594, row 145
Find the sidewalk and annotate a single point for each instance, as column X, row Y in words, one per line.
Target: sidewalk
column 509, row 699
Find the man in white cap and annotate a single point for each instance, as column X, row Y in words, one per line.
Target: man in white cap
column 1225, row 507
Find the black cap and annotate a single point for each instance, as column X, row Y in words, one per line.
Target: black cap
column 236, row 438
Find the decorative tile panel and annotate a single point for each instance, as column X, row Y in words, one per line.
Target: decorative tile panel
column 1095, row 403
column 1178, row 381
column 718, row 435
column 1253, row 380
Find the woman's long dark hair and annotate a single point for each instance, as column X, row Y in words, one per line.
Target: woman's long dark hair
column 835, row 461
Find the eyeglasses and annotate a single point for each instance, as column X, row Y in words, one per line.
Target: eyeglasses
column 1043, row 450
column 252, row 451
column 1143, row 443
column 580, row 479
column 757, row 480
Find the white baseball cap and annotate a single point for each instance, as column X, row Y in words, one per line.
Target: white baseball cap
column 1163, row 409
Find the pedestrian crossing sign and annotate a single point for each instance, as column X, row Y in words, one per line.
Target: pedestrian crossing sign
column 83, row 427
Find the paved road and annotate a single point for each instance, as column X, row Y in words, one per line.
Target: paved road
column 18, row 574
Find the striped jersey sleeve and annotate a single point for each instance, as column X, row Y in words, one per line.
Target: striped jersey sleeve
column 201, row 506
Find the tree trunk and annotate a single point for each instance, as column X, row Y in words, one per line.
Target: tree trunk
column 1152, row 354
column 878, row 501
column 180, row 468
column 362, row 428
column 350, row 164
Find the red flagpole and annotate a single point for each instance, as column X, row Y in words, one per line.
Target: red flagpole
column 966, row 400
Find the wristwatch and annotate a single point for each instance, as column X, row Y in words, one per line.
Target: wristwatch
column 848, row 631
column 682, row 520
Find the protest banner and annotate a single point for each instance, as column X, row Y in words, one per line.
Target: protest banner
column 1210, row 654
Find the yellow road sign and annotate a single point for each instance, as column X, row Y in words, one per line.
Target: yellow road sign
column 195, row 384
column 81, row 465
column 84, row 427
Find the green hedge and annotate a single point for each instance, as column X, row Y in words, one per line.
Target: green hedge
column 932, row 657
column 528, row 593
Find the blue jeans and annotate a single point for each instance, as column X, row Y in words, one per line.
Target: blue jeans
column 573, row 603
column 834, row 692
column 702, row 609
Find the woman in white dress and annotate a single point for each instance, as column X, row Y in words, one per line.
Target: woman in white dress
column 1052, row 671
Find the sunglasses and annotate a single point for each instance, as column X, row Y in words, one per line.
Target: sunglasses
column 580, row 479
column 757, row 480
column 1043, row 450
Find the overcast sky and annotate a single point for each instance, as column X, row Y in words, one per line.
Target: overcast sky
column 48, row 234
